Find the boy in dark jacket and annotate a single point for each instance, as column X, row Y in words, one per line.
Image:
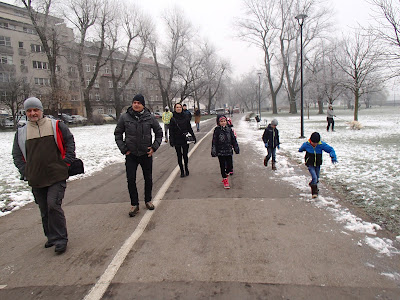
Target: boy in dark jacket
column 271, row 141
column 222, row 143
column 313, row 158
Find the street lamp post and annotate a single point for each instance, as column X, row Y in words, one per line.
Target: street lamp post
column 259, row 94
column 300, row 19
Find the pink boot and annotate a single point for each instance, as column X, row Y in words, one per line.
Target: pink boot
column 226, row 183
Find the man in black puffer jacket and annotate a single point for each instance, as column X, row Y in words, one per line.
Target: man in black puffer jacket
column 138, row 146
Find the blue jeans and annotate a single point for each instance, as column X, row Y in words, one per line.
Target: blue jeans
column 198, row 126
column 271, row 152
column 314, row 171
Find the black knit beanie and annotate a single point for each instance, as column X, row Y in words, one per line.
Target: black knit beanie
column 140, row 98
column 315, row 137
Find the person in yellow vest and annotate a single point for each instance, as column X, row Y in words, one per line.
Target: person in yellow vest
column 166, row 118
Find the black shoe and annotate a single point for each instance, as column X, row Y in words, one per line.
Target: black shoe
column 187, row 172
column 134, row 211
column 48, row 244
column 149, row 205
column 182, row 173
column 60, row 248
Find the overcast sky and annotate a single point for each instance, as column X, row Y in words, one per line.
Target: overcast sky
column 215, row 20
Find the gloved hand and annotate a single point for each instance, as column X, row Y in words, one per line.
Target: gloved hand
column 279, row 147
column 334, row 160
column 195, row 140
column 213, row 154
column 266, row 145
column 171, row 143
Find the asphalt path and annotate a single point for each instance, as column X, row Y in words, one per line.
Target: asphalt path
column 257, row 240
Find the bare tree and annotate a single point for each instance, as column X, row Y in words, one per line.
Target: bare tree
column 46, row 27
column 387, row 30
column 261, row 27
column 325, row 80
column 129, row 38
column 215, row 69
column 178, row 35
column 360, row 60
column 16, row 91
column 87, row 16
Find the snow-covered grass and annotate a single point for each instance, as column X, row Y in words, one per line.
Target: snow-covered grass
column 95, row 145
column 367, row 173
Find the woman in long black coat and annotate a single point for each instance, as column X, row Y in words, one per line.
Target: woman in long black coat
column 179, row 127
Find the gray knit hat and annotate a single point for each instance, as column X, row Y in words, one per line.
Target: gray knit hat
column 33, row 102
column 274, row 122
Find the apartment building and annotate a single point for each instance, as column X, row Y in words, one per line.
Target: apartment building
column 22, row 58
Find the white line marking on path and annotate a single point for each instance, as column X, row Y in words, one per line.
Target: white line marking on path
column 3, row 286
column 98, row 290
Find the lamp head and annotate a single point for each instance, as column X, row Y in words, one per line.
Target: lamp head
column 300, row 18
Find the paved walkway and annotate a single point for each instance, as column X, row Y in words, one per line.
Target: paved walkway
column 258, row 240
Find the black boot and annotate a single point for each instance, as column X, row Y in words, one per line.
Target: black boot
column 186, row 170
column 273, row 166
column 314, row 190
column 182, row 173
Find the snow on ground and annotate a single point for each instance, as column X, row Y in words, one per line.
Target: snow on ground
column 368, row 165
column 367, row 171
column 95, row 145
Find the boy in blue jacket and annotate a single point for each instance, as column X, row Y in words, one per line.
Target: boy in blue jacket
column 313, row 158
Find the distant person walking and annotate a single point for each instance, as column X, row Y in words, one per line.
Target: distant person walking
column 187, row 112
column 179, row 127
column 313, row 159
column 42, row 151
column 134, row 140
column 166, row 118
column 329, row 117
column 197, row 117
column 223, row 144
column 271, row 141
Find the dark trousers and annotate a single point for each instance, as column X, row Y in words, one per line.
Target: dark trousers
column 131, row 164
column 330, row 121
column 225, row 164
column 271, row 152
column 49, row 200
column 182, row 152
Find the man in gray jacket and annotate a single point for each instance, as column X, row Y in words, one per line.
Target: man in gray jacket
column 42, row 151
column 138, row 147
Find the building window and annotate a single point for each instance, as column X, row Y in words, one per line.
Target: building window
column 58, row 68
column 87, row 68
column 29, row 30
column 40, row 65
column 6, row 59
column 36, row 48
column 100, row 110
column 21, row 45
column 115, row 70
column 90, row 96
column 119, row 84
column 42, row 81
column 73, row 98
column 110, row 111
column 107, row 70
column 87, row 82
column 96, row 84
column 94, row 68
column 110, row 84
column 22, row 62
column 4, row 77
column 5, row 41
column 3, row 25
column 97, row 96
column 72, row 69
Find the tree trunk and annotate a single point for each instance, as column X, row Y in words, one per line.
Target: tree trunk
column 356, row 99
